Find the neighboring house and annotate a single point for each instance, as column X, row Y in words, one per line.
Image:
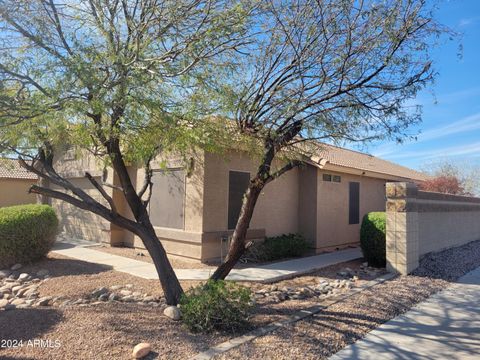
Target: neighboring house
column 14, row 183
column 194, row 210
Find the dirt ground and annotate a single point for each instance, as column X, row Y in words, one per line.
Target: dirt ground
column 110, row 330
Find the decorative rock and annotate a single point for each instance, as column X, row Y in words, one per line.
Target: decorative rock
column 125, row 292
column 18, row 302
column 148, row 299
column 4, row 273
column 113, row 297
column 23, row 277
column 129, row 286
column 103, row 297
column 16, row 267
column 141, row 350
column 42, row 272
column 100, row 291
column 44, row 301
column 172, row 312
column 3, row 303
column 115, row 287
column 128, row 298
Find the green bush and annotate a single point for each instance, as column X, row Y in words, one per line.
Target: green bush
column 278, row 247
column 216, row 305
column 27, row 233
column 372, row 238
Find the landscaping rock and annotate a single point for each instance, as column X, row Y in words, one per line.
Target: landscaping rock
column 16, row 267
column 125, row 292
column 18, row 302
column 113, row 297
column 172, row 312
column 23, row 277
column 141, row 350
column 44, row 301
column 98, row 292
column 103, row 297
column 128, row 298
column 4, row 274
column 3, row 303
column 115, row 287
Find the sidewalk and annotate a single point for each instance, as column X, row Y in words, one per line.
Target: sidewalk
column 266, row 273
column 445, row 326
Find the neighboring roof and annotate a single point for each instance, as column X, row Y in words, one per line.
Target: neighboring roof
column 330, row 154
column 11, row 169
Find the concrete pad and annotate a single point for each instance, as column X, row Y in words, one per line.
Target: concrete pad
column 265, row 273
column 446, row 326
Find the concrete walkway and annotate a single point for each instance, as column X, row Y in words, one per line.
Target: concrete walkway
column 445, row 326
column 267, row 273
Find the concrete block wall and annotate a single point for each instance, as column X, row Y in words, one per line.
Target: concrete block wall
column 419, row 222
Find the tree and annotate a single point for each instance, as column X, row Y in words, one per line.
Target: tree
column 459, row 178
column 325, row 70
column 446, row 184
column 120, row 79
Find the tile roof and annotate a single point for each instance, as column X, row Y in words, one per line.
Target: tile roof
column 11, row 169
column 353, row 159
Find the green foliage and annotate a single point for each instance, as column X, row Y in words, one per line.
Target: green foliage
column 278, row 247
column 216, row 305
column 372, row 238
column 27, row 233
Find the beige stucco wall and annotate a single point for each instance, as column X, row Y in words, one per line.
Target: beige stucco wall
column 75, row 222
column 333, row 229
column 420, row 222
column 15, row 192
column 277, row 206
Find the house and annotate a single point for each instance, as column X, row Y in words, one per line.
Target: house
column 194, row 209
column 14, row 183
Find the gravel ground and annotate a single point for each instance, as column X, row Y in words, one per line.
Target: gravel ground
column 106, row 331
column 110, row 330
column 342, row 324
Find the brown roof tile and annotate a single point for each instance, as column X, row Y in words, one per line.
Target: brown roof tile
column 361, row 161
column 11, row 169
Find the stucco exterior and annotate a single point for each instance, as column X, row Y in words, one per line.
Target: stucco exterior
column 300, row 201
column 15, row 192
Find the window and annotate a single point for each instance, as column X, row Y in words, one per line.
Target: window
column 354, row 203
column 237, row 185
column 327, row 177
column 336, row 178
column 168, row 199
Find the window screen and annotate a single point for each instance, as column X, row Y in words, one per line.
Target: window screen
column 327, row 177
column 337, row 178
column 237, row 185
column 354, row 203
column 168, row 199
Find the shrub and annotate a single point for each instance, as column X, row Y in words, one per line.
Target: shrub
column 27, row 233
column 278, row 247
column 372, row 238
column 216, row 305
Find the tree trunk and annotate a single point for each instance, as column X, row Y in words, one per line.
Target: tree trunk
column 168, row 280
column 237, row 245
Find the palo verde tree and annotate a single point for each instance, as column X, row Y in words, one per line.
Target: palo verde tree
column 324, row 69
column 119, row 79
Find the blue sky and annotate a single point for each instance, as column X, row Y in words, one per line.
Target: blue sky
column 451, row 117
